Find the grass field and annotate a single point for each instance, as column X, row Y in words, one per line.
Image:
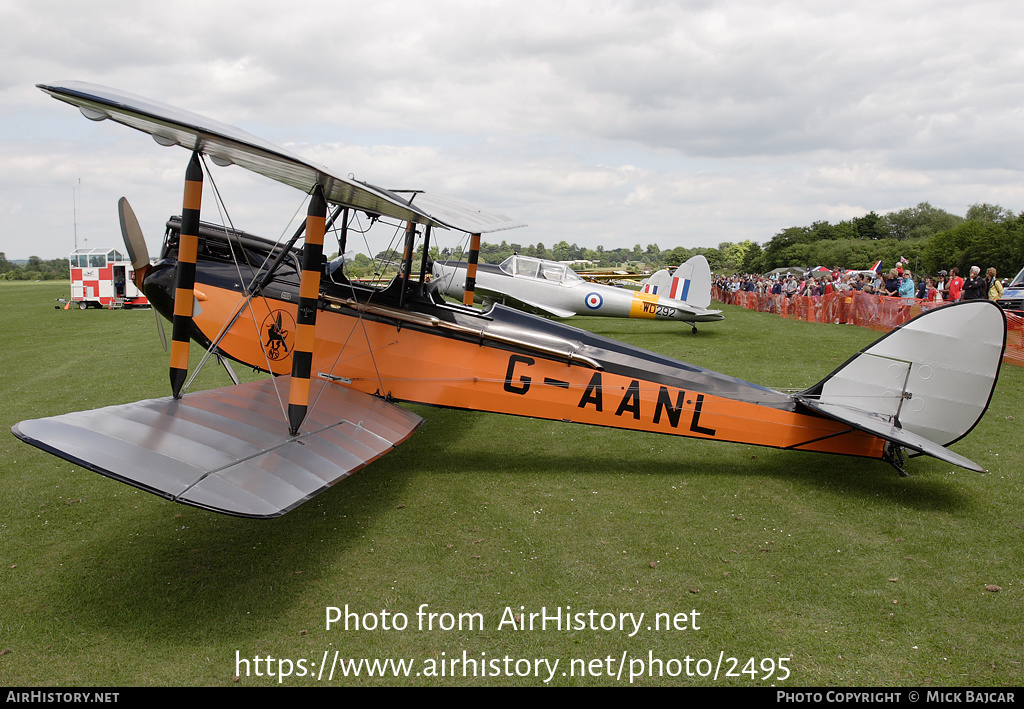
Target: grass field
column 851, row 574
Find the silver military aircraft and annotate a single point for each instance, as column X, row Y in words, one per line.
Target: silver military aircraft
column 552, row 288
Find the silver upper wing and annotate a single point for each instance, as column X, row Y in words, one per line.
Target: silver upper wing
column 228, row 145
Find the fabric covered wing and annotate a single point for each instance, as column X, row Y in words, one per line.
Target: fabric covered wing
column 463, row 215
column 229, row 145
column 227, row 450
column 544, row 309
column 226, row 145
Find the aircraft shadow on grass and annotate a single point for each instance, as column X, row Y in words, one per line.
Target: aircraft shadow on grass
column 220, row 567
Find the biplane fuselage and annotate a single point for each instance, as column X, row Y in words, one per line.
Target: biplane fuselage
column 501, row 360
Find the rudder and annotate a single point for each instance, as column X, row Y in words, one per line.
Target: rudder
column 698, row 272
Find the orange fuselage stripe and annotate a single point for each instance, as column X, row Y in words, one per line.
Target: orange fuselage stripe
column 417, row 366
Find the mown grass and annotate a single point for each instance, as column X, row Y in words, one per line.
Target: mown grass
column 859, row 576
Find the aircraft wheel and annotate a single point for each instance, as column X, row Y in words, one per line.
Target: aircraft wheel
column 694, row 330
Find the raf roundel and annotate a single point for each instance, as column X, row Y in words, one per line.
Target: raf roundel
column 593, row 301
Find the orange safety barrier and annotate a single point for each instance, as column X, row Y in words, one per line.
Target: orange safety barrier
column 1014, row 340
column 877, row 312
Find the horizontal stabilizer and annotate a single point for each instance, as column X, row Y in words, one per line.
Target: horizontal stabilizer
column 228, row 450
column 884, row 428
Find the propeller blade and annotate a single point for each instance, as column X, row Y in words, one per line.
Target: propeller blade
column 135, row 242
column 160, row 329
column 131, row 232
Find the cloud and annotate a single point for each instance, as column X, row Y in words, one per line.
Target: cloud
column 612, row 122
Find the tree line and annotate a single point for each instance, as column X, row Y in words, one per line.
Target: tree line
column 929, row 238
column 35, row 269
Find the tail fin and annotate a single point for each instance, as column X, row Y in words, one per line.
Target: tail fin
column 924, row 385
column 658, row 284
column 694, row 282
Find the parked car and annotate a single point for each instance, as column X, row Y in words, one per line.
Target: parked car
column 1013, row 295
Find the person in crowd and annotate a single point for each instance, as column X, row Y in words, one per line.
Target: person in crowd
column 906, row 286
column 892, row 283
column 941, row 285
column 922, row 288
column 843, row 310
column 995, row 286
column 932, row 297
column 956, row 285
column 975, row 287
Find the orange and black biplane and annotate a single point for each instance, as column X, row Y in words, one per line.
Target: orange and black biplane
column 344, row 353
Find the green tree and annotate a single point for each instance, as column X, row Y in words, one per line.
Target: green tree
column 561, row 251
column 870, row 226
column 753, row 258
column 915, row 222
column 989, row 213
column 950, row 248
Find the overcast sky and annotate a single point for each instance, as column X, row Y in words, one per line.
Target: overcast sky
column 614, row 123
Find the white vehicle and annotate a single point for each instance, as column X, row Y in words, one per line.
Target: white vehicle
column 103, row 277
column 1013, row 295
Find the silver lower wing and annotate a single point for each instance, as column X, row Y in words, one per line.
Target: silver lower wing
column 545, row 310
column 227, row 450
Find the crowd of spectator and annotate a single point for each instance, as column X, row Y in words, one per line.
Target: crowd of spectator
column 880, row 301
column 898, row 282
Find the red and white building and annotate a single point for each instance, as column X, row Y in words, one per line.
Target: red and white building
column 103, row 277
